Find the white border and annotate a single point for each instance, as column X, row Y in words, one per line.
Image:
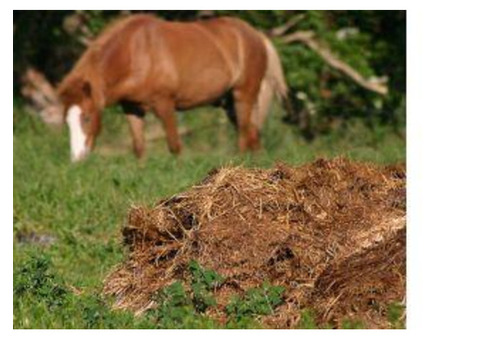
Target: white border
column 443, row 171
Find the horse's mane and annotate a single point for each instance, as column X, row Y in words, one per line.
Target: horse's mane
column 86, row 68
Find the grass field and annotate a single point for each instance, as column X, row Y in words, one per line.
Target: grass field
column 68, row 217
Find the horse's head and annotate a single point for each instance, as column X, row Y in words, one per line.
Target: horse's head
column 82, row 116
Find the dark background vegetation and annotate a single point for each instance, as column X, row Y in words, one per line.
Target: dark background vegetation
column 372, row 42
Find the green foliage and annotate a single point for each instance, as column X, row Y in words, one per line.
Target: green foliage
column 96, row 21
column 307, row 320
column 175, row 309
column 395, row 315
column 257, row 301
column 352, row 324
column 96, row 313
column 43, row 300
column 179, row 308
column 203, row 282
column 206, row 278
column 33, row 278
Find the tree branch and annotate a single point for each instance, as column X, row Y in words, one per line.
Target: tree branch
column 281, row 30
column 75, row 25
column 42, row 96
column 308, row 38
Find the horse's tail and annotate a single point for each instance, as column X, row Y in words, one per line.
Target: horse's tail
column 272, row 84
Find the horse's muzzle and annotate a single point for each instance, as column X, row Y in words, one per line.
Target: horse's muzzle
column 76, row 157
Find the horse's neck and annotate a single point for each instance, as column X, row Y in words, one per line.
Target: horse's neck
column 90, row 71
column 97, row 91
column 98, row 96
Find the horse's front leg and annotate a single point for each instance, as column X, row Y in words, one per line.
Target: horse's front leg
column 135, row 116
column 136, row 124
column 165, row 110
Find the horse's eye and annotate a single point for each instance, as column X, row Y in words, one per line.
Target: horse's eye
column 86, row 119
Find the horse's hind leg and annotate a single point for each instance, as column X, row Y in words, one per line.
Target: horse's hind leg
column 248, row 136
column 135, row 117
column 165, row 110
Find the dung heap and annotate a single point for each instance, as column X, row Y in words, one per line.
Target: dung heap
column 331, row 232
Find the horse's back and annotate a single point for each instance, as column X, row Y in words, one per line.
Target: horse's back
column 211, row 56
column 142, row 56
column 245, row 44
column 225, row 36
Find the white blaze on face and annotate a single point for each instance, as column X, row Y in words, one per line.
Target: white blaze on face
column 78, row 147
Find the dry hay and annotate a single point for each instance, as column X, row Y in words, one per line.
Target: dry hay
column 331, row 232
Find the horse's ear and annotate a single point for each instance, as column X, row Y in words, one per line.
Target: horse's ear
column 87, row 89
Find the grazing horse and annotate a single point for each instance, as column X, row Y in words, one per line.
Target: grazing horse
column 144, row 63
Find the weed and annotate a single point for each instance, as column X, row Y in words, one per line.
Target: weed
column 257, row 301
column 352, row 324
column 307, row 320
column 33, row 278
column 395, row 313
column 203, row 282
column 176, row 310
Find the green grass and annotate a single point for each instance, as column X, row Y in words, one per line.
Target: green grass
column 67, row 217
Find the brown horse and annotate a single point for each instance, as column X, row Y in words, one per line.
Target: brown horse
column 145, row 63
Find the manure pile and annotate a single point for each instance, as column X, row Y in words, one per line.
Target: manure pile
column 331, row 232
